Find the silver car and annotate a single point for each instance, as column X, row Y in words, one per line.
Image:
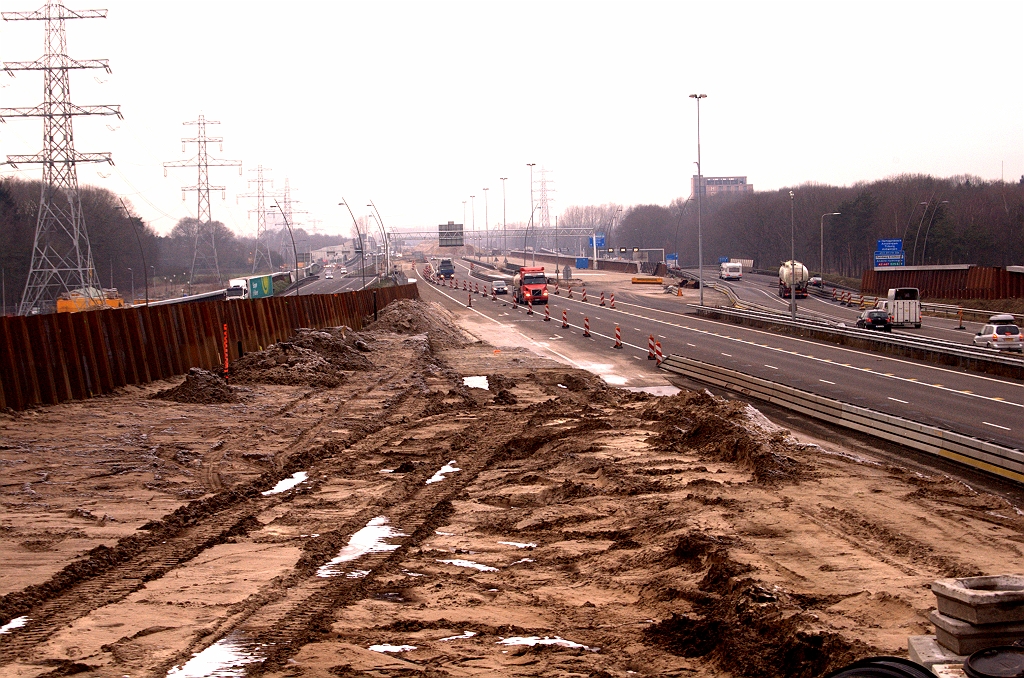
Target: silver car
column 1001, row 333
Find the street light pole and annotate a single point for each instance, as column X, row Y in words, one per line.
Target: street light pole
column 487, row 231
column 792, row 256
column 472, row 209
column 531, row 166
column 384, row 235
column 526, row 234
column 133, row 278
column 822, row 253
column 295, row 252
column 700, row 191
column 362, row 256
column 504, row 223
column 924, row 249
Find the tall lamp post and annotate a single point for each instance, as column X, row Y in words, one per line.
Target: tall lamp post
column 792, row 256
column 531, row 165
column 504, row 223
column 526, row 234
column 472, row 209
column 362, row 257
column 487, row 230
column 295, row 252
column 700, row 191
column 822, row 253
column 924, row 249
column 909, row 219
column 384, row 235
column 133, row 277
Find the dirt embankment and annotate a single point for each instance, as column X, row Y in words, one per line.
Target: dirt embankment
column 352, row 505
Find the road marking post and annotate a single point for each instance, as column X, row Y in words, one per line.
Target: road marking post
column 565, row 320
column 557, row 293
column 529, row 306
column 650, row 348
column 494, row 295
column 586, row 327
column 463, row 285
column 584, row 295
column 613, row 300
column 469, row 301
column 570, row 291
column 657, row 348
column 602, row 299
column 618, row 338
column 547, row 314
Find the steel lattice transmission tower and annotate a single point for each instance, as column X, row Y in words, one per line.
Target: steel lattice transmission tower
column 205, row 252
column 262, row 250
column 61, row 254
column 545, row 199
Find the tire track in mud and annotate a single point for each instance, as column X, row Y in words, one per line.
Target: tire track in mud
column 311, row 603
column 110, row 574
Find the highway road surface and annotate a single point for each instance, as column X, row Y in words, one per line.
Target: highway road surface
column 978, row 405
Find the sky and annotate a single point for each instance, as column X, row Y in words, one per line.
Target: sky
column 419, row 105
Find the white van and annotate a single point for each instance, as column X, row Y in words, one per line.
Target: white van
column 730, row 270
column 903, row 306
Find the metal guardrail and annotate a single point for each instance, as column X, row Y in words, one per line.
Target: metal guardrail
column 974, row 452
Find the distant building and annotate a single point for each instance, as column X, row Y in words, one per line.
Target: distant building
column 721, row 185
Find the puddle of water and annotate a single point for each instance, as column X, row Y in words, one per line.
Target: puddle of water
column 357, row 574
column 287, row 484
column 654, row 390
column 476, row 382
column 518, row 545
column 224, row 659
column 370, row 539
column 534, row 640
column 439, row 476
column 522, row 560
column 391, row 648
column 562, row 386
column 15, row 623
column 613, row 379
column 466, row 634
column 444, row 534
column 458, row 562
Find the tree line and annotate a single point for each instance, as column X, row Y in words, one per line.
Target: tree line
column 955, row 220
column 118, row 252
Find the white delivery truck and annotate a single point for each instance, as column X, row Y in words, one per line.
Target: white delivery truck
column 730, row 270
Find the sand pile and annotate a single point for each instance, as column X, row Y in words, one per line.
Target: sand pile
column 410, row 317
column 318, row 358
column 200, row 387
column 725, row 430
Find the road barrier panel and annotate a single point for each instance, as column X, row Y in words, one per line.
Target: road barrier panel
column 650, row 348
column 979, row 454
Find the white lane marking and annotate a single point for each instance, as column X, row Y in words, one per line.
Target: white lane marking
column 828, row 382
column 899, row 401
column 727, row 355
column 773, row 367
column 662, row 336
column 995, row 425
column 689, row 344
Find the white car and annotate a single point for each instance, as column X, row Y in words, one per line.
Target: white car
column 1000, row 333
column 328, row 274
column 499, row 287
column 342, row 270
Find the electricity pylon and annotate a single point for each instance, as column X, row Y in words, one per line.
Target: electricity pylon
column 205, row 252
column 262, row 250
column 61, row 254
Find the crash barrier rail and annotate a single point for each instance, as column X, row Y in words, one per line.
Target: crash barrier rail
column 48, row 359
column 976, row 358
column 975, row 314
column 979, row 454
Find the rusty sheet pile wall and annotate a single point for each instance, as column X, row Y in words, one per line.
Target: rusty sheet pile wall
column 976, row 282
column 47, row 359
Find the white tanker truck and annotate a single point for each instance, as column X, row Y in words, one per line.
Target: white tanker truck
column 793, row 275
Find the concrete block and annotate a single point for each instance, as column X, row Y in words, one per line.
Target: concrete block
column 996, row 599
column 949, row 671
column 926, row 651
column 965, row 639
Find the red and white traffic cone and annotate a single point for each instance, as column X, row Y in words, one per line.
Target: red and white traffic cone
column 570, row 291
column 602, row 299
column 586, row 327
column 657, row 349
column 547, row 314
column 529, row 307
column 650, row 348
column 469, row 302
column 612, row 305
column 618, row 338
column 584, row 295
column 565, row 320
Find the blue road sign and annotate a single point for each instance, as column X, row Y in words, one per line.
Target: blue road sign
column 600, row 240
column 723, row 260
column 893, row 245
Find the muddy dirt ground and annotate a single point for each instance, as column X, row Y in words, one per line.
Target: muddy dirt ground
column 547, row 525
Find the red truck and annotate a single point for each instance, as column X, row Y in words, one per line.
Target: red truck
column 530, row 285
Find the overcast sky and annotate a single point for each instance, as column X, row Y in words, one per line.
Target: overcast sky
column 418, row 105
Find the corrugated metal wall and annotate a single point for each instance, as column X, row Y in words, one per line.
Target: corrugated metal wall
column 977, row 282
column 47, row 359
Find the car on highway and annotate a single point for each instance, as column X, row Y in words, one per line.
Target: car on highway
column 499, row 287
column 1001, row 333
column 815, row 281
column 875, row 319
column 342, row 270
column 328, row 274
